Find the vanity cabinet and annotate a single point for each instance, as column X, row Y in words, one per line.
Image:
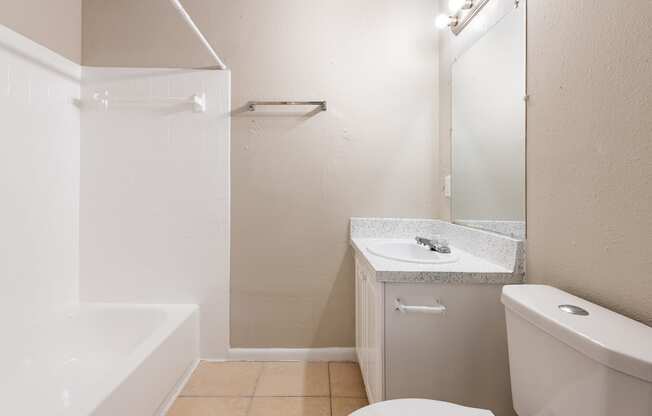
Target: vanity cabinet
column 459, row 355
column 370, row 331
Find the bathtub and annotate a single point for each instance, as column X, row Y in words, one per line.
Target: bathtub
column 98, row 359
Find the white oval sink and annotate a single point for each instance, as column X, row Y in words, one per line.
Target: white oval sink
column 409, row 252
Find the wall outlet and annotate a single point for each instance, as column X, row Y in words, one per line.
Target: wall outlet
column 447, row 186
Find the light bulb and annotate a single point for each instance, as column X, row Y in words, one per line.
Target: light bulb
column 442, row 21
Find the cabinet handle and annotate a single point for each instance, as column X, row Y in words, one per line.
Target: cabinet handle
column 438, row 308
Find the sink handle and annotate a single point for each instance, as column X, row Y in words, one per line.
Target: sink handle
column 437, row 309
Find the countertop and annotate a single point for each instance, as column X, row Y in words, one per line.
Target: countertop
column 468, row 269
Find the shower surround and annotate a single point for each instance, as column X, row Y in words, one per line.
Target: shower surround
column 154, row 225
column 145, row 188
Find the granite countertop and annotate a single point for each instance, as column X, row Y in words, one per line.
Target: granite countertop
column 494, row 260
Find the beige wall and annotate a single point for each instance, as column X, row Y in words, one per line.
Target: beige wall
column 55, row 24
column 297, row 179
column 590, row 151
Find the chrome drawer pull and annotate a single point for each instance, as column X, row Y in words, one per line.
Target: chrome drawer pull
column 438, row 308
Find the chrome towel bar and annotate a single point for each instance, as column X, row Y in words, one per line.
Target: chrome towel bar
column 254, row 104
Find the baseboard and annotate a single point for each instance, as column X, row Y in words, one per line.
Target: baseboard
column 292, row 354
column 176, row 391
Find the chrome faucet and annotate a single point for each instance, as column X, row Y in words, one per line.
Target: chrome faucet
column 437, row 244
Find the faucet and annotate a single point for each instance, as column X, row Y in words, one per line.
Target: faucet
column 437, row 244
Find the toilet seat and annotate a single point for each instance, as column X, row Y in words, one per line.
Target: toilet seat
column 418, row 407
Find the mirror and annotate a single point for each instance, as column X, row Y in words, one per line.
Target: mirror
column 488, row 130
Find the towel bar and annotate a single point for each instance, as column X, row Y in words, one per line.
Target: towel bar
column 254, row 104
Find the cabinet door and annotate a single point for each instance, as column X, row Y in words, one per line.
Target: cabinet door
column 360, row 321
column 369, row 333
column 374, row 326
column 459, row 356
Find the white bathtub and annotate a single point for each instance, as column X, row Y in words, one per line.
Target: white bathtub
column 98, row 359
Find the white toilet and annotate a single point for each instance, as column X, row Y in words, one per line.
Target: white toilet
column 567, row 357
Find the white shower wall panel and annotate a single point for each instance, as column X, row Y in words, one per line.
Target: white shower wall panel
column 154, row 224
column 39, row 181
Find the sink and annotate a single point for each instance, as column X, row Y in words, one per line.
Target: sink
column 409, row 252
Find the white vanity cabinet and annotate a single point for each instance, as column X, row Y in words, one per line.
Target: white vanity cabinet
column 370, row 329
column 459, row 355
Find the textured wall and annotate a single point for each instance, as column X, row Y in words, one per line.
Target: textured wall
column 55, row 24
column 590, row 151
column 297, row 179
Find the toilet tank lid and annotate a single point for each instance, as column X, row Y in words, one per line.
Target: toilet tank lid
column 605, row 336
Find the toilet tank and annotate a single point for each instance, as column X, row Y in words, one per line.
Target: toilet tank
column 568, row 361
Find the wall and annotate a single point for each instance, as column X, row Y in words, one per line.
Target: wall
column 297, row 178
column 39, row 180
column 53, row 24
column 154, row 194
column 590, row 151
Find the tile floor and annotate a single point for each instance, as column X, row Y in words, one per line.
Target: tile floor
column 271, row 389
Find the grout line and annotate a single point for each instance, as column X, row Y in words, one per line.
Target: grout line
column 251, row 399
column 330, row 390
column 328, row 370
column 349, row 397
column 249, row 405
column 206, row 396
column 201, row 396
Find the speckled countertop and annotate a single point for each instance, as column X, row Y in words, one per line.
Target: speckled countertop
column 484, row 258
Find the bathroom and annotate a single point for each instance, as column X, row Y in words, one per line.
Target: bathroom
column 302, row 208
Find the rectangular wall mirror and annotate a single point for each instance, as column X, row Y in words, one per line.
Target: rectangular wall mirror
column 488, row 130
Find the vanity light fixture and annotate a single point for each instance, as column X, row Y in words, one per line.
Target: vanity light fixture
column 455, row 6
column 443, row 21
column 462, row 12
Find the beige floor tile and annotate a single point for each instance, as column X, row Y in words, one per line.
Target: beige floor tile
column 343, row 406
column 290, row 406
column 294, row 379
column 210, row 406
column 346, row 380
column 223, row 379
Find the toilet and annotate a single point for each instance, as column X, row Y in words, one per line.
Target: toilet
column 567, row 356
